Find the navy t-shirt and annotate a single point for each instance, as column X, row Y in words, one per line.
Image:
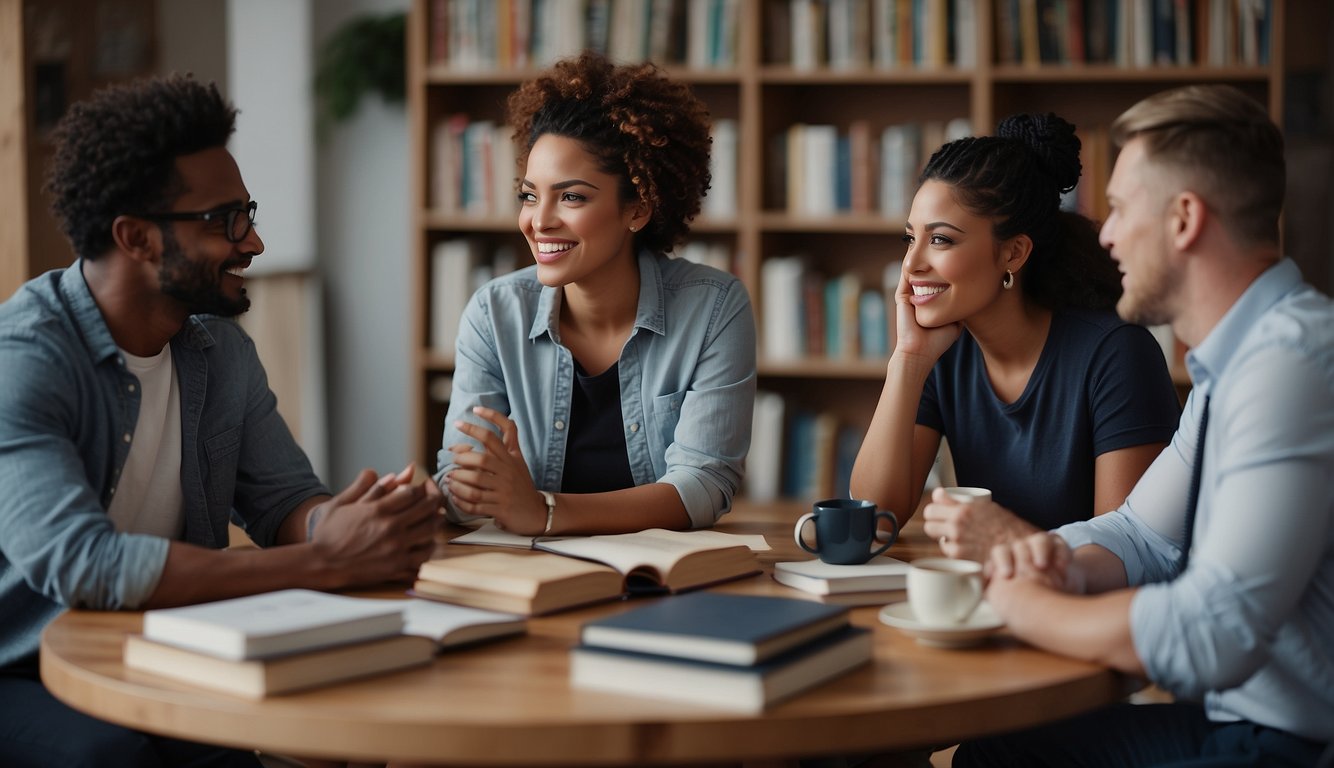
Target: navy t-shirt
column 596, row 458
column 1100, row 385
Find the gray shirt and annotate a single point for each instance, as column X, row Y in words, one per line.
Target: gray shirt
column 1249, row 626
column 68, row 409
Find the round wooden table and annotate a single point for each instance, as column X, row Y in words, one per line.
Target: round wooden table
column 510, row 702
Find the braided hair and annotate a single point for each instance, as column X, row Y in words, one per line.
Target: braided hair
column 649, row 130
column 1016, row 178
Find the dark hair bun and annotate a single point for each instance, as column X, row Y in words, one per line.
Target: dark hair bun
column 1054, row 142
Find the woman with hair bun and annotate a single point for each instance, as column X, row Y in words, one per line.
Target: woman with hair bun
column 607, row 388
column 1009, row 348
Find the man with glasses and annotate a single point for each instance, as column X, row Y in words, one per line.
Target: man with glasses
column 136, row 419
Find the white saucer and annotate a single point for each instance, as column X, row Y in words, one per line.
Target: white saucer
column 983, row 622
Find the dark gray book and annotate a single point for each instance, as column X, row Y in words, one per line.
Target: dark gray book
column 723, row 628
column 744, row 688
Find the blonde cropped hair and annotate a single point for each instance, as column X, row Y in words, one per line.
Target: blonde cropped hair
column 1223, row 144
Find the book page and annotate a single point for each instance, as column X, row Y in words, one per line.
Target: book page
column 656, row 548
column 437, row 620
column 488, row 534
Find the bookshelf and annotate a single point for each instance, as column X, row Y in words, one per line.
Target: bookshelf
column 772, row 78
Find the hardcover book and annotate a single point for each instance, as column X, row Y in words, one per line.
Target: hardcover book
column 273, row 623
column 709, row 626
column 744, row 688
column 257, row 678
column 821, row 578
column 580, row 570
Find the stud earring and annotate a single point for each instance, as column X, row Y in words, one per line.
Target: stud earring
column 1007, row 282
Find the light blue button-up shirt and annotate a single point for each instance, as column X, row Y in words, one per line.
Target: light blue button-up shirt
column 687, row 376
column 1250, row 625
column 68, row 409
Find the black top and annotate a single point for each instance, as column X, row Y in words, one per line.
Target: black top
column 596, row 459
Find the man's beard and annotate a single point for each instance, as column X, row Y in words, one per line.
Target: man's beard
column 195, row 284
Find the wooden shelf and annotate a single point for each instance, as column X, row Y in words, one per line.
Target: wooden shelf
column 765, row 97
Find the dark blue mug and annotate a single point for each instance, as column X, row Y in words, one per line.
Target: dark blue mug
column 845, row 530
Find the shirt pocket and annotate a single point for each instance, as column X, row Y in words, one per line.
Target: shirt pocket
column 666, row 415
column 221, row 453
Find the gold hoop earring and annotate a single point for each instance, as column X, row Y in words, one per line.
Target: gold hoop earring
column 1007, row 282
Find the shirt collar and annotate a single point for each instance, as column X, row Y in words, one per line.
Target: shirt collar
column 650, row 315
column 83, row 308
column 93, row 327
column 1207, row 360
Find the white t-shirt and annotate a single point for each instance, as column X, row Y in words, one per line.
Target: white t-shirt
column 148, row 497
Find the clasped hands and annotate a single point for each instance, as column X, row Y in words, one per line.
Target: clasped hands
column 495, row 481
column 379, row 528
column 1012, row 551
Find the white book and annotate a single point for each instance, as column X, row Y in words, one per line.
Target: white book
column 720, row 202
column 899, row 151
column 965, row 34
column 273, row 623
column 452, row 264
column 780, row 285
column 820, row 158
column 451, row 625
column 820, row 578
column 764, row 463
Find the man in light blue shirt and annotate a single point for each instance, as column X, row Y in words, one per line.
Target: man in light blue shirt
column 1215, row 578
column 136, row 420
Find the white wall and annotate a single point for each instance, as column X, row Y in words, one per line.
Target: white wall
column 360, row 210
column 362, row 241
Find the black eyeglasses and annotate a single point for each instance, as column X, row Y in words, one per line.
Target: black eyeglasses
column 238, row 220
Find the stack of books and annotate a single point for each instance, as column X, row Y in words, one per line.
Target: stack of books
column 878, row 581
column 737, row 652
column 574, row 571
column 295, row 639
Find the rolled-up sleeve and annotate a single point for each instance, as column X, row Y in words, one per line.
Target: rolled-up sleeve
column 706, row 458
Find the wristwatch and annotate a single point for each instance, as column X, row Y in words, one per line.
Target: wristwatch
column 550, row 499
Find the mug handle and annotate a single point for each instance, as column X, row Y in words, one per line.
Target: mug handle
column 797, row 530
column 893, row 536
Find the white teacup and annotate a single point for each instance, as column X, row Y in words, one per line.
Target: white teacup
column 943, row 591
column 966, row 494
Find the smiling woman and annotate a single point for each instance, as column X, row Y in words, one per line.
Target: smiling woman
column 1007, row 348
column 608, row 387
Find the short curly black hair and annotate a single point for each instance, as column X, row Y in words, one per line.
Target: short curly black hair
column 116, row 152
column 651, row 131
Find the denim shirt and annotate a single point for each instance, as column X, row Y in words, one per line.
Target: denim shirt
column 1248, row 625
column 687, row 378
column 68, row 409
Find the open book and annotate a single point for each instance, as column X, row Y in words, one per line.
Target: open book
column 592, row 568
column 488, row 534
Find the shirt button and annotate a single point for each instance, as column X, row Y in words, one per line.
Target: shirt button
column 634, row 427
column 126, row 437
column 131, row 387
column 559, row 424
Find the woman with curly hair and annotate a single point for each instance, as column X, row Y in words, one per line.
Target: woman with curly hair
column 607, row 388
column 1008, row 346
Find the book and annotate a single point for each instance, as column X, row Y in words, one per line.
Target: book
column 257, row 678
column 488, row 534
column 592, row 568
column 710, row 626
column 273, row 623
column 451, row 626
column 744, row 688
column 530, row 584
column 853, row 599
column 821, row 578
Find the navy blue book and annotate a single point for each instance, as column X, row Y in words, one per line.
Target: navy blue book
column 708, row 626
column 745, row 688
